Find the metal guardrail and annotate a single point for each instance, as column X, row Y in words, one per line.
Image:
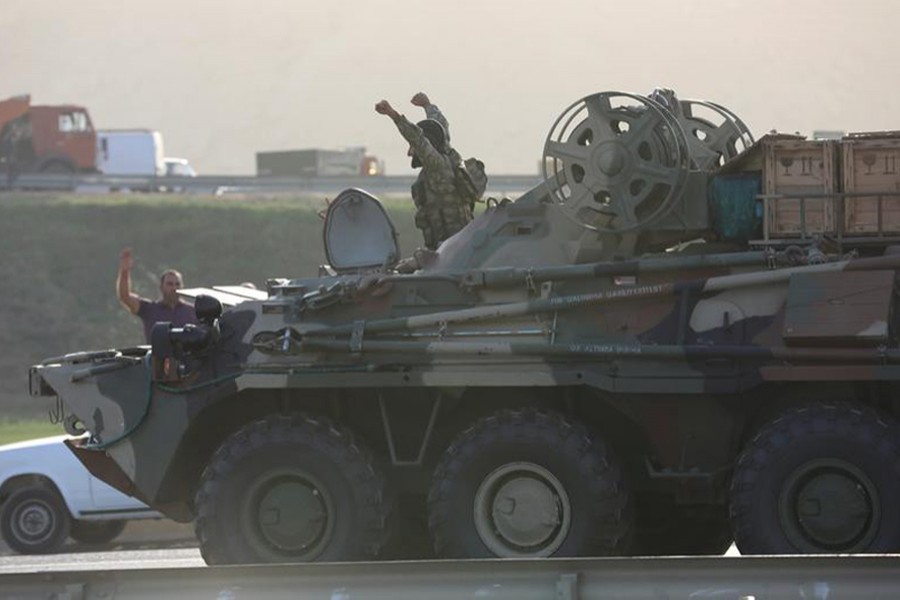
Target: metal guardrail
column 709, row 578
column 498, row 185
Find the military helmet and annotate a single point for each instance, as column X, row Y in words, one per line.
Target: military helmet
column 435, row 133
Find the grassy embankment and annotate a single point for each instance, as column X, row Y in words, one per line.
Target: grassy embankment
column 60, row 254
column 27, row 429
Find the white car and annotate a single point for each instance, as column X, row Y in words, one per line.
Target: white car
column 47, row 495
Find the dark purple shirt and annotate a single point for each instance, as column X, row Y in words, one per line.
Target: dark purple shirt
column 154, row 312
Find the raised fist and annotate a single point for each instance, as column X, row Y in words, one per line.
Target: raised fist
column 126, row 260
column 384, row 108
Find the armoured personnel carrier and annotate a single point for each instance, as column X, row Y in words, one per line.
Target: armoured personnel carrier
column 646, row 354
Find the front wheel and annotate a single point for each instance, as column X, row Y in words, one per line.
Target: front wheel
column 35, row 521
column 291, row 489
column 820, row 479
column 525, row 483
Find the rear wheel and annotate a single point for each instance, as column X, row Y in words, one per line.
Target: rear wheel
column 34, row 521
column 291, row 489
column 820, row 479
column 57, row 167
column 524, row 483
column 96, row 532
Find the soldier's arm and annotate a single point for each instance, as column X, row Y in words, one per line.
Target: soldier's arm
column 430, row 157
column 432, row 111
column 127, row 298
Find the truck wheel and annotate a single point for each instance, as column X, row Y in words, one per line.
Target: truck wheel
column 57, row 167
column 525, row 483
column 820, row 479
column 34, row 521
column 673, row 530
column 291, row 489
column 96, row 532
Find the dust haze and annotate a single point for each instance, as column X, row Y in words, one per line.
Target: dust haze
column 226, row 78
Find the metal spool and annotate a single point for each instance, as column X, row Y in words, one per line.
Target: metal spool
column 616, row 162
column 715, row 134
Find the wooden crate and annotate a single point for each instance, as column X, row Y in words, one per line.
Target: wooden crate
column 871, row 163
column 793, row 165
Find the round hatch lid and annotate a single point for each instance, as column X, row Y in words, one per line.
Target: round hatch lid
column 358, row 233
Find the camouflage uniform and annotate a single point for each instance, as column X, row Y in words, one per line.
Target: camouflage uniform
column 434, row 113
column 440, row 211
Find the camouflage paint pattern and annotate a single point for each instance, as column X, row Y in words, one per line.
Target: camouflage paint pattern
column 590, row 332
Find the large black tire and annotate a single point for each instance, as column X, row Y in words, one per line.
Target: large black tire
column 35, row 521
column 820, row 479
column 96, row 532
column 291, row 489
column 666, row 529
column 528, row 483
column 57, row 167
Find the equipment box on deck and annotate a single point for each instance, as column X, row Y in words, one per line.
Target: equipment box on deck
column 793, row 166
column 871, row 163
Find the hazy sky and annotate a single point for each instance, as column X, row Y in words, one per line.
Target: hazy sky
column 222, row 79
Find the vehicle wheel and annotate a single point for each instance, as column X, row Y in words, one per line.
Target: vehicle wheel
column 34, row 521
column 96, row 532
column 665, row 529
column 291, row 489
column 820, row 479
column 524, row 483
column 57, row 167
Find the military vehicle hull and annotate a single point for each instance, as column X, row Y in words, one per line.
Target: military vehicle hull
column 549, row 383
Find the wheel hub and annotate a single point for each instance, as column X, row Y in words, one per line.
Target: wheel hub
column 526, row 512
column 522, row 509
column 35, row 521
column 290, row 514
column 830, row 505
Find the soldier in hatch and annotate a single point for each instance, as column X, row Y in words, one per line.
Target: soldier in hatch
column 441, row 210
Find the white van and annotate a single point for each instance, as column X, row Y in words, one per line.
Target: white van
column 130, row 152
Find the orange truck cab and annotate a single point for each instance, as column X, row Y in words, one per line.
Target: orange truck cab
column 48, row 139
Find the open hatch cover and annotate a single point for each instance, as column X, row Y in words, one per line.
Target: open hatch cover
column 359, row 234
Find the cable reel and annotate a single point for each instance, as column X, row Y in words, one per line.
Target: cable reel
column 715, row 134
column 616, row 161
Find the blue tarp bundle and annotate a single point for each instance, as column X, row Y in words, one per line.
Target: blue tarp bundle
column 735, row 211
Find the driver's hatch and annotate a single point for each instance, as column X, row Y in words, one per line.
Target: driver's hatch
column 359, row 235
